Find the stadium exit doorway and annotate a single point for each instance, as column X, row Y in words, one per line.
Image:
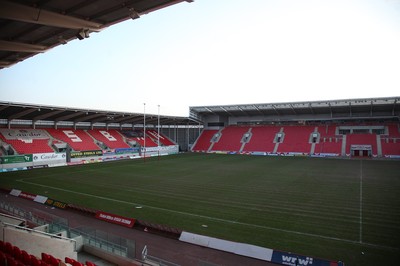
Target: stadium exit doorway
column 361, row 150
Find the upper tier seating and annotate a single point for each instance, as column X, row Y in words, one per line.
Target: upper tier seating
column 262, row 139
column 296, row 139
column 78, row 139
column 163, row 140
column 204, row 140
column 111, row 138
column 394, row 131
column 230, row 139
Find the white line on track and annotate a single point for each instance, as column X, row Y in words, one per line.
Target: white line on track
column 214, row 218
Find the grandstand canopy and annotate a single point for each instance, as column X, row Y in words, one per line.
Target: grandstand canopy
column 18, row 114
column 372, row 108
column 30, row 27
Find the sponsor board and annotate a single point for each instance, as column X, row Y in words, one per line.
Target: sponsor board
column 325, row 155
column 27, row 158
column 258, row 153
column 290, row 259
column 116, row 219
column 56, row 203
column 37, row 166
column 80, row 154
column 361, row 147
column 27, row 196
column 22, row 134
column 13, row 169
column 40, row 157
column 392, row 156
column 126, row 150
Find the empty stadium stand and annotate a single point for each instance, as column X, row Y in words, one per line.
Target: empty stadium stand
column 27, row 144
column 390, row 142
column 155, row 136
column 11, row 255
column 262, row 139
column 78, row 139
column 329, row 141
column 296, row 139
column 111, row 138
column 144, row 143
column 359, row 144
column 231, row 139
column 203, row 142
column 30, row 146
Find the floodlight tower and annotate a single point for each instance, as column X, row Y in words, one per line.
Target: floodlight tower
column 158, row 132
column 144, row 131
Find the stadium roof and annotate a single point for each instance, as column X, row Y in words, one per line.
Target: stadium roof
column 30, row 27
column 333, row 109
column 14, row 113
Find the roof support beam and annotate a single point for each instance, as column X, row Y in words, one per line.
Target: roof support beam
column 44, row 116
column 23, row 113
column 22, row 47
column 258, row 109
column 67, row 117
column 310, row 106
column 273, row 106
column 294, row 111
column 14, row 11
column 372, row 104
column 351, row 113
column 226, row 111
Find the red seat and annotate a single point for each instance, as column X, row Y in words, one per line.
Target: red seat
column 89, row 263
column 8, row 248
column 35, row 261
column 11, row 261
column 17, row 253
column 46, row 258
column 230, row 140
column 3, row 259
column 54, row 261
column 26, row 258
column 69, row 260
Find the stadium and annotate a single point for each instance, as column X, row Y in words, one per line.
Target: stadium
column 289, row 183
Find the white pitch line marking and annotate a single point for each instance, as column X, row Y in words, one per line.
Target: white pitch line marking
column 215, row 219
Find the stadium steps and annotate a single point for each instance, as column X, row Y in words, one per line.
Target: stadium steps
column 379, row 145
column 213, row 142
column 277, row 143
column 244, row 142
column 344, row 140
column 312, row 150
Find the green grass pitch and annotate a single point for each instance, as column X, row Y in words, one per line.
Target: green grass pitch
column 336, row 209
